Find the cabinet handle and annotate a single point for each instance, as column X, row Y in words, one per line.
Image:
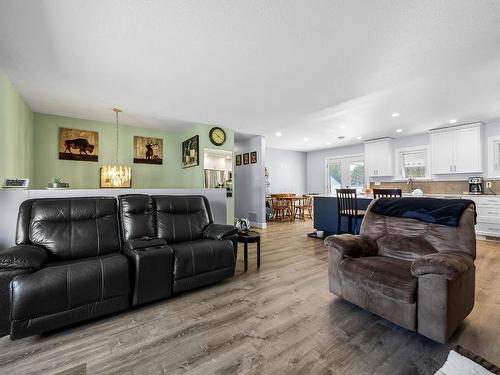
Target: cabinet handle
column 493, row 229
column 492, row 213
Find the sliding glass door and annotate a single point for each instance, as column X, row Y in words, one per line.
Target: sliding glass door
column 345, row 172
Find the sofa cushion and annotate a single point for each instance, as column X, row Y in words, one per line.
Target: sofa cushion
column 181, row 218
column 197, row 257
column 69, row 284
column 402, row 247
column 137, row 219
column 75, row 227
column 384, row 275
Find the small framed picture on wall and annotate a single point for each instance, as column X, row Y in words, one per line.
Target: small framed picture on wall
column 246, row 158
column 253, row 157
column 238, row 160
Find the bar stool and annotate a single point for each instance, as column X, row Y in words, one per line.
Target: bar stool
column 347, row 206
column 387, row 193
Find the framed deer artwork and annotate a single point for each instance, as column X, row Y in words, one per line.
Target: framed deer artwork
column 148, row 150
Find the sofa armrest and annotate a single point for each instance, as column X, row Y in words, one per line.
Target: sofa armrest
column 29, row 257
column 219, row 231
column 143, row 243
column 349, row 245
column 450, row 264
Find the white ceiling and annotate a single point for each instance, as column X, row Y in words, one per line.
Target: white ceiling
column 303, row 68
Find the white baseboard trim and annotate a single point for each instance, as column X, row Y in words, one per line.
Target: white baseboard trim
column 258, row 225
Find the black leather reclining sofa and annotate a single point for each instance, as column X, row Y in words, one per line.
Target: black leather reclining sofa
column 80, row 258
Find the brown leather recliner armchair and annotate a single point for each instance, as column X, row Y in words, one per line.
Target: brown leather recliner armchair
column 416, row 274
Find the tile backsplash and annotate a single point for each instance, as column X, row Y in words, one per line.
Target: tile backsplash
column 436, row 187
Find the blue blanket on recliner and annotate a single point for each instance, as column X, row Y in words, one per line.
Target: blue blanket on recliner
column 431, row 210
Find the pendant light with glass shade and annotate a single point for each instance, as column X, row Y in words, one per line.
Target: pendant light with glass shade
column 116, row 176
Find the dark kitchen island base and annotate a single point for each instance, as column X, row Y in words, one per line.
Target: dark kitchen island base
column 326, row 214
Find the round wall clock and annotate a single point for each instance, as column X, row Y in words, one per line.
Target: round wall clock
column 217, row 136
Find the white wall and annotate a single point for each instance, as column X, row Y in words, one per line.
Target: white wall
column 249, row 188
column 287, row 171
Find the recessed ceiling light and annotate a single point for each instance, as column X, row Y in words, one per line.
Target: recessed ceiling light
column 342, row 127
column 395, row 114
column 328, row 143
column 399, row 130
column 277, row 134
column 452, row 121
column 358, row 137
column 306, row 139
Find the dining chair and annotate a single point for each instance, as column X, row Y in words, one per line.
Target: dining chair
column 304, row 207
column 387, row 193
column 281, row 207
column 347, row 206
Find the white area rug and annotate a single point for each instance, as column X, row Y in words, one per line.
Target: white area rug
column 457, row 364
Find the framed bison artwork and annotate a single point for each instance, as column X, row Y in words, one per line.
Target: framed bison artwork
column 148, row 150
column 246, row 158
column 190, row 152
column 77, row 144
column 238, row 160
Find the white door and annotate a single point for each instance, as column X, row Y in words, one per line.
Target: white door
column 442, row 152
column 467, row 150
column 334, row 175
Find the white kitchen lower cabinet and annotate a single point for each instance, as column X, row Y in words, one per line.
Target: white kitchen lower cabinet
column 488, row 214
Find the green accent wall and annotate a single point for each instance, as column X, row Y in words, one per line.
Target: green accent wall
column 85, row 174
column 16, row 133
column 29, row 149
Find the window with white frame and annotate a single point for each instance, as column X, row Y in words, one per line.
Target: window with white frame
column 413, row 162
column 345, row 172
column 494, row 157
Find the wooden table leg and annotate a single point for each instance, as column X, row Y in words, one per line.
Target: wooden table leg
column 246, row 256
column 258, row 253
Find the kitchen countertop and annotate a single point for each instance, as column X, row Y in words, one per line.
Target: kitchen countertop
column 430, row 195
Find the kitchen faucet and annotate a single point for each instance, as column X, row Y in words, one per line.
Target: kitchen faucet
column 409, row 182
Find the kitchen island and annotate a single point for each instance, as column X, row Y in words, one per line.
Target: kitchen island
column 326, row 213
column 487, row 209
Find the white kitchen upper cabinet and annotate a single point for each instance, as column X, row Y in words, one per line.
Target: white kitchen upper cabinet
column 379, row 157
column 456, row 149
column 468, row 150
column 441, row 152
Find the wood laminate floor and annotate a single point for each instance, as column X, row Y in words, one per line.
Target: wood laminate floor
column 280, row 319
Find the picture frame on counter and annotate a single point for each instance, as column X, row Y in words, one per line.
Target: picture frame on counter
column 16, row 183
